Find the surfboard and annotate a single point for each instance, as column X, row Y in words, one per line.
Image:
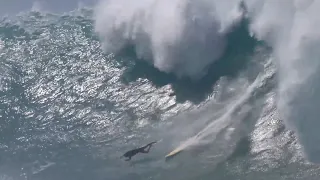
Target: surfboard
column 174, row 152
column 182, row 147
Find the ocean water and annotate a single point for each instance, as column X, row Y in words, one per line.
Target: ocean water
column 235, row 83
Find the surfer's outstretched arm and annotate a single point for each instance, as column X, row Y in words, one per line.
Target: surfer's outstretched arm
column 148, row 147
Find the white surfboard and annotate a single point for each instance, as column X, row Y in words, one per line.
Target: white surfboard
column 181, row 147
column 174, row 152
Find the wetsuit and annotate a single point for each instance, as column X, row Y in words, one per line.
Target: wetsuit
column 144, row 149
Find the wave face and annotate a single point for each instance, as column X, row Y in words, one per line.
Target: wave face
column 233, row 82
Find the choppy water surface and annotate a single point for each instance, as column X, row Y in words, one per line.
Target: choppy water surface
column 69, row 108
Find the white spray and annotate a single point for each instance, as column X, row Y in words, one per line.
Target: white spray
column 178, row 36
column 292, row 28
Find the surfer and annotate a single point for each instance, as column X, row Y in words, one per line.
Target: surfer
column 144, row 149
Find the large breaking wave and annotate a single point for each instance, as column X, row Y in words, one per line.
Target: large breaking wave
column 173, row 35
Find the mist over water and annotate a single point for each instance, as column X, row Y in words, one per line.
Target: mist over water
column 181, row 37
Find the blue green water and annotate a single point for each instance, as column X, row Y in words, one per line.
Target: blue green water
column 69, row 109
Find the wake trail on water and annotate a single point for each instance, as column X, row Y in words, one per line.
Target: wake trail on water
column 229, row 118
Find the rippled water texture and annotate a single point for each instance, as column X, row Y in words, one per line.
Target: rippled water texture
column 68, row 110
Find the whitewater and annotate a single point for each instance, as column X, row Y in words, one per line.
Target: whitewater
column 234, row 83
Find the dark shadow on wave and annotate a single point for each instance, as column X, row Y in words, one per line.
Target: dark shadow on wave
column 238, row 51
